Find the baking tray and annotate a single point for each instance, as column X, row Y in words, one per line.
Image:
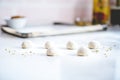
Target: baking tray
column 50, row 30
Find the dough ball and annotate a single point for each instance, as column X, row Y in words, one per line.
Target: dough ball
column 51, row 52
column 94, row 44
column 27, row 44
column 83, row 51
column 49, row 45
column 71, row 45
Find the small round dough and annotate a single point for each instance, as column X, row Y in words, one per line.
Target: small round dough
column 49, row 45
column 83, row 51
column 71, row 45
column 94, row 45
column 51, row 52
column 27, row 44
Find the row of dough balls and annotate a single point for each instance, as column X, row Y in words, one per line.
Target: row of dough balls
column 82, row 51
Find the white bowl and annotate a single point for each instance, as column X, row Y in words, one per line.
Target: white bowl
column 16, row 23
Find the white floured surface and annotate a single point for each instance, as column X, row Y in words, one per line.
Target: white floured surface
column 67, row 66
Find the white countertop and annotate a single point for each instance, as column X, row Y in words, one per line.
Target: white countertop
column 41, row 67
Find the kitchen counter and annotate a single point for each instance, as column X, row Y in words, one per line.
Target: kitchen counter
column 40, row 67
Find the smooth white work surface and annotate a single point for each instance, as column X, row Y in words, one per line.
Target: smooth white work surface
column 37, row 67
column 69, row 67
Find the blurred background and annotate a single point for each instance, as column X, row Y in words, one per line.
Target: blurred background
column 67, row 11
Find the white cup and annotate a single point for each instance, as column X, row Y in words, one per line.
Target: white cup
column 16, row 23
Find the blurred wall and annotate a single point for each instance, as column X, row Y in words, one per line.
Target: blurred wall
column 43, row 11
column 113, row 2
